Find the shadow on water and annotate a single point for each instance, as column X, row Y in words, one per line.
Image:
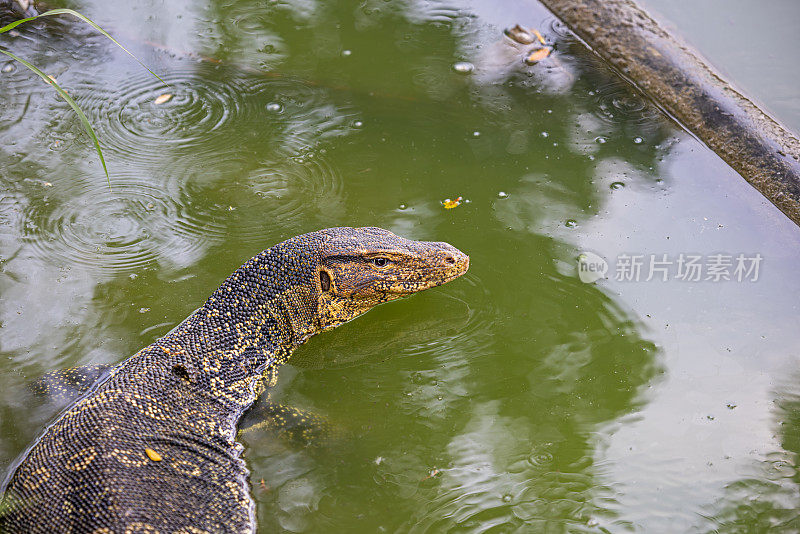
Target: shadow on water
column 469, row 408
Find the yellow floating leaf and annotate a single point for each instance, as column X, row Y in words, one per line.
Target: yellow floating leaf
column 539, row 36
column 537, row 55
column 153, row 455
column 163, row 99
column 450, row 204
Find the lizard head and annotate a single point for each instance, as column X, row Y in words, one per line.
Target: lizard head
column 359, row 268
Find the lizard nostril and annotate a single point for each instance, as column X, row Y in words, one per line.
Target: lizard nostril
column 450, row 259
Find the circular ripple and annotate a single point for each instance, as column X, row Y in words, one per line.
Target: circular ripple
column 169, row 202
column 209, row 116
column 128, row 120
column 294, row 188
column 132, row 227
column 616, row 103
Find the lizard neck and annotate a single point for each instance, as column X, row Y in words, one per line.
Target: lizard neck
column 253, row 321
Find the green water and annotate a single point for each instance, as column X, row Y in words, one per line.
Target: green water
column 514, row 399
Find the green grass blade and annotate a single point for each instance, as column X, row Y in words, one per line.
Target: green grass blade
column 87, row 21
column 73, row 105
column 14, row 24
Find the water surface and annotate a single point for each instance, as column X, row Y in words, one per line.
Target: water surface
column 517, row 398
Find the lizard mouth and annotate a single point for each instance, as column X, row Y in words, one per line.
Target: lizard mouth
column 459, row 266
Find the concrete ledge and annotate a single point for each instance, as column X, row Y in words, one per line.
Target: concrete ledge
column 765, row 153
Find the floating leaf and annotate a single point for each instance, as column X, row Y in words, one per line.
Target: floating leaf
column 153, row 455
column 537, row 55
column 163, row 99
column 450, row 204
column 539, row 36
column 432, row 474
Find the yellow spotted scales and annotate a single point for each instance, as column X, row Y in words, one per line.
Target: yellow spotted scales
column 152, row 448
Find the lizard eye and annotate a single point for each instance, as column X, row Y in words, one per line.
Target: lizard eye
column 379, row 262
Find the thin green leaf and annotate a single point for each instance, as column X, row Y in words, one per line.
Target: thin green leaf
column 14, row 24
column 73, row 105
column 89, row 22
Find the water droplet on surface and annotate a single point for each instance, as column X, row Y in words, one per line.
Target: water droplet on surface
column 617, row 185
column 502, row 194
column 463, row 67
column 571, row 223
column 540, row 458
column 346, row 53
column 545, row 134
column 9, row 67
column 274, row 107
column 638, row 140
column 57, row 144
column 402, row 207
column 358, row 124
column 476, row 134
column 507, row 498
column 600, row 139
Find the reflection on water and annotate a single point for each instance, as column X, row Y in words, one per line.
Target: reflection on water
column 509, row 400
column 766, row 496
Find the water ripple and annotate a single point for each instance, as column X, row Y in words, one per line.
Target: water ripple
column 285, row 188
column 129, row 121
column 616, row 103
column 132, row 227
column 208, row 119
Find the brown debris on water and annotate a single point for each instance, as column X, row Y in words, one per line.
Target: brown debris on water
column 519, row 34
column 537, row 54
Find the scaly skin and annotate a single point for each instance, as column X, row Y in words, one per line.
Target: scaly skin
column 152, row 448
